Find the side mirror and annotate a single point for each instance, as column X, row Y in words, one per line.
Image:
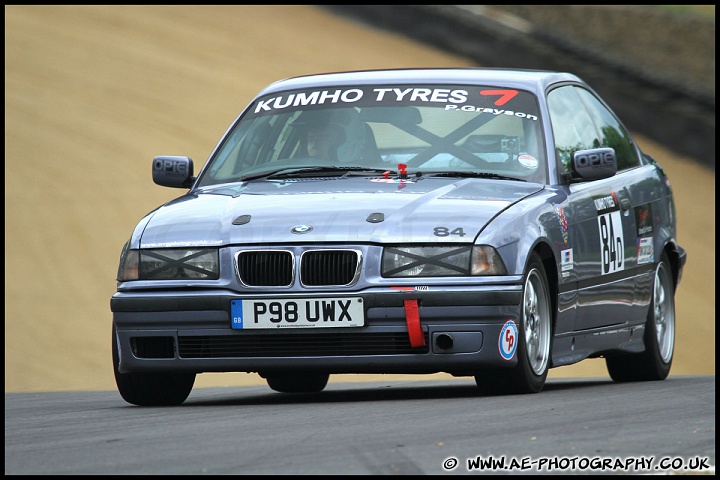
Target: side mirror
column 170, row 171
column 594, row 164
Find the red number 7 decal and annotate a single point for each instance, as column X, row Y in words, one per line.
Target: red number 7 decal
column 505, row 95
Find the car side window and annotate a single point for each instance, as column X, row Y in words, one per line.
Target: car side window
column 580, row 121
column 573, row 128
column 613, row 133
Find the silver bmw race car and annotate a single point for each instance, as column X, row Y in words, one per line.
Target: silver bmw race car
column 480, row 222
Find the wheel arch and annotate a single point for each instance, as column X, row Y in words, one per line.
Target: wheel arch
column 673, row 253
column 547, row 256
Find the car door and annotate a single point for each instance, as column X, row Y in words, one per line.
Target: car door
column 602, row 227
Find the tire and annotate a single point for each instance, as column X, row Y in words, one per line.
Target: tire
column 534, row 337
column 655, row 362
column 151, row 389
column 298, row 383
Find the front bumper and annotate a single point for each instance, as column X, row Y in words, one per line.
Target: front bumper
column 460, row 330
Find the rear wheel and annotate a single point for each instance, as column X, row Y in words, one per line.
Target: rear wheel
column 655, row 362
column 534, row 339
column 298, row 383
column 151, row 389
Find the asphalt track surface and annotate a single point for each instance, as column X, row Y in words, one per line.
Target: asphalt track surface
column 93, row 93
column 372, row 428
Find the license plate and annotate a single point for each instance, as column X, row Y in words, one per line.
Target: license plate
column 297, row 313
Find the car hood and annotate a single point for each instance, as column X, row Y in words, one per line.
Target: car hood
column 333, row 209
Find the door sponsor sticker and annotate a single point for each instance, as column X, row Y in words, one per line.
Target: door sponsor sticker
column 644, row 219
column 566, row 259
column 646, row 250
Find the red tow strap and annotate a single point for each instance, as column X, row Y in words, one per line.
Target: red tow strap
column 412, row 317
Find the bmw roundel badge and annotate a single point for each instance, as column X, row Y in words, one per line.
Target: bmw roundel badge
column 301, row 229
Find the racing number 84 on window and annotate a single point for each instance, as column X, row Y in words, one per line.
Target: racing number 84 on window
column 300, row 313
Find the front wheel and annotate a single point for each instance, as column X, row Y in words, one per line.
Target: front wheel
column 534, row 339
column 150, row 389
column 654, row 363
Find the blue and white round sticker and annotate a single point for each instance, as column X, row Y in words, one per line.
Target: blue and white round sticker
column 507, row 343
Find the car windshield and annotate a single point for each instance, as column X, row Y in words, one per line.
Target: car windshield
column 369, row 129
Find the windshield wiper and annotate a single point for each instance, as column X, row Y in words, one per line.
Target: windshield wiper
column 270, row 173
column 328, row 169
column 291, row 171
column 460, row 173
